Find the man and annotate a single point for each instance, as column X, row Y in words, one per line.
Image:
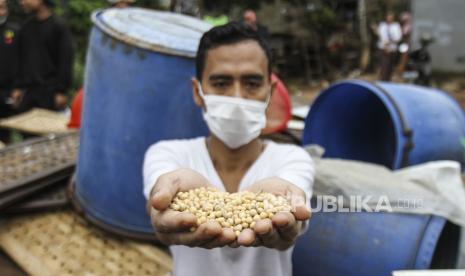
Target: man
column 121, row 3
column 232, row 86
column 8, row 63
column 46, row 53
column 389, row 34
column 250, row 18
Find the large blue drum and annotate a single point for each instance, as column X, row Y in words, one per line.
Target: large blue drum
column 137, row 92
column 365, row 244
column 395, row 125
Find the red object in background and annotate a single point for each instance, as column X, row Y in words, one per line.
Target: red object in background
column 279, row 109
column 76, row 110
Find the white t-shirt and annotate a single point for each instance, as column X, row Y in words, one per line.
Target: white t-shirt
column 389, row 35
column 288, row 162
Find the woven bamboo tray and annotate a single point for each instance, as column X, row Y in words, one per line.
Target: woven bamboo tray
column 35, row 164
column 62, row 243
column 51, row 198
column 38, row 121
column 8, row 267
column 9, row 198
column 36, row 158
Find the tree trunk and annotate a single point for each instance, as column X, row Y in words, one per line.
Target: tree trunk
column 363, row 28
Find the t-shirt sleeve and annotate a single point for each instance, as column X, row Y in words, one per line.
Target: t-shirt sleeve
column 297, row 167
column 162, row 157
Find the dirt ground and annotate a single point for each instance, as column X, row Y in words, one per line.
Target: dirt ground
column 303, row 94
column 455, row 87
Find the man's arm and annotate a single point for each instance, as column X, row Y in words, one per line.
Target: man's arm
column 164, row 178
column 64, row 65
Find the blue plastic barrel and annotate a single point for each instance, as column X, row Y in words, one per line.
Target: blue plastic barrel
column 137, row 92
column 395, row 125
column 359, row 244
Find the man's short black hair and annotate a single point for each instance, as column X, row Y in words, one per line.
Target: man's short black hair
column 228, row 34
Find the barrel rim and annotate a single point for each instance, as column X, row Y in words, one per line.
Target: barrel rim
column 138, row 232
column 400, row 141
column 107, row 29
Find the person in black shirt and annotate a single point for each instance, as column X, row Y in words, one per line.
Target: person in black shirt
column 46, row 53
column 8, row 63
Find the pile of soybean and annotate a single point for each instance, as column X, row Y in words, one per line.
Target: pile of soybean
column 238, row 211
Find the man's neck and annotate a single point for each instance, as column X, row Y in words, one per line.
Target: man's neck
column 43, row 13
column 226, row 159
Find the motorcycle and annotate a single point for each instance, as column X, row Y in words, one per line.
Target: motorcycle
column 418, row 69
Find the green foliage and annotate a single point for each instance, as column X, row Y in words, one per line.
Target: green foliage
column 79, row 12
column 321, row 18
column 78, row 72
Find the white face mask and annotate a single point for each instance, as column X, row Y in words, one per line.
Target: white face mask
column 235, row 121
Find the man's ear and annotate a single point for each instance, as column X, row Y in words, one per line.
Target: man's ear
column 195, row 92
column 274, row 84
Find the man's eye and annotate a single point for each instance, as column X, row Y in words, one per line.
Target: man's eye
column 220, row 84
column 253, row 84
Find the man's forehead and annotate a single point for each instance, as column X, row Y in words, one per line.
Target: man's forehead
column 244, row 54
column 249, row 76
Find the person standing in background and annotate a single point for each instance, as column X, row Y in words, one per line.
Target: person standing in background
column 46, row 59
column 404, row 47
column 389, row 34
column 8, row 63
column 250, row 18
